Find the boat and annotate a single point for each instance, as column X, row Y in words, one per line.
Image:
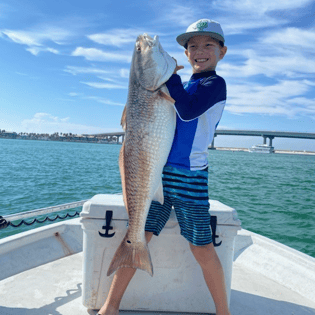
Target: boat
column 262, row 148
column 42, row 272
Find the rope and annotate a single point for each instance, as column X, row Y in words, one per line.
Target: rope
column 4, row 223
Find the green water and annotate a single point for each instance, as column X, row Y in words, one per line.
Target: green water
column 274, row 194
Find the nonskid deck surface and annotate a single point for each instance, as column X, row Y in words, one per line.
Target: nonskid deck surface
column 56, row 288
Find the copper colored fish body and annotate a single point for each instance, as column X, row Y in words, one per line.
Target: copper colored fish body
column 149, row 120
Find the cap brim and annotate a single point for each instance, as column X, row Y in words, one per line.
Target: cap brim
column 184, row 38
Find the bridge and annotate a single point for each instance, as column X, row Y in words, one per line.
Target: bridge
column 115, row 136
column 263, row 133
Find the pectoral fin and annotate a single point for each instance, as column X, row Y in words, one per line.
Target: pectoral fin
column 123, row 121
column 167, row 97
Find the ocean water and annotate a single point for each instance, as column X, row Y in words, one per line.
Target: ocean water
column 274, row 194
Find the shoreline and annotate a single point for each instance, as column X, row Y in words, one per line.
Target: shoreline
column 299, row 152
column 102, row 141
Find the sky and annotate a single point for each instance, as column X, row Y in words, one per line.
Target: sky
column 64, row 65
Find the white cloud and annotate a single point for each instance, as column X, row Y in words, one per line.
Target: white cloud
column 22, row 37
column 308, row 104
column 124, row 73
column 179, row 14
column 38, row 40
column 291, row 36
column 116, row 37
column 103, row 100
column 271, row 60
column 36, row 50
column 239, row 17
column 47, row 123
column 260, row 7
column 232, row 26
column 86, row 70
column 21, row 73
column 113, row 77
column 94, row 54
column 283, row 98
column 100, row 85
column 74, row 94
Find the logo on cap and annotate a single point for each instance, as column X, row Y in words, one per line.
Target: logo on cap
column 202, row 25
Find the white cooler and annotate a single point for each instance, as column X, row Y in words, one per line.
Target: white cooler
column 177, row 284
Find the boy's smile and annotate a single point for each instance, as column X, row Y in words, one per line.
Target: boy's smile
column 204, row 53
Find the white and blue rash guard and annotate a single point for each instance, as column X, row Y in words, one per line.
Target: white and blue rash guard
column 199, row 104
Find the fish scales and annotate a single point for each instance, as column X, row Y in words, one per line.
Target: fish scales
column 150, row 120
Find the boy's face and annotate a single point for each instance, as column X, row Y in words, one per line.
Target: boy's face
column 204, row 53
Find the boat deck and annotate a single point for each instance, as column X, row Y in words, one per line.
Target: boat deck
column 41, row 274
column 55, row 288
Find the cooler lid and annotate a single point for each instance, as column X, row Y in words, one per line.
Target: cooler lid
column 97, row 206
column 225, row 214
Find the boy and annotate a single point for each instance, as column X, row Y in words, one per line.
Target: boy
column 199, row 104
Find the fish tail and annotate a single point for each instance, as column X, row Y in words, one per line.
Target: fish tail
column 131, row 255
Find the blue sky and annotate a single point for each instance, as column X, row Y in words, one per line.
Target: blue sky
column 65, row 64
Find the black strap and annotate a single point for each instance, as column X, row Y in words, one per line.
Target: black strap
column 213, row 223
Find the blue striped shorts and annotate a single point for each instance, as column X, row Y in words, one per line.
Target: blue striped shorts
column 187, row 192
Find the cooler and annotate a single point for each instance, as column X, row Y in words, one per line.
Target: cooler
column 177, row 284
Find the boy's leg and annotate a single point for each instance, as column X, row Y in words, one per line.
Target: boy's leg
column 212, row 270
column 118, row 287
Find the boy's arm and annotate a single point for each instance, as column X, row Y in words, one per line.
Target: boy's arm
column 209, row 92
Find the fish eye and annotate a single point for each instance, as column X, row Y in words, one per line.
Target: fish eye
column 138, row 46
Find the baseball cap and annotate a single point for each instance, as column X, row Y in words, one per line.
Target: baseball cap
column 202, row 27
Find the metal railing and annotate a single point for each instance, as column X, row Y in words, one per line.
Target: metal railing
column 7, row 220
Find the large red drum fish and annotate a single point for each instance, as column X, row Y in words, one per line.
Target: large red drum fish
column 149, row 121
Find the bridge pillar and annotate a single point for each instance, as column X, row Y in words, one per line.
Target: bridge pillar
column 270, row 141
column 212, row 144
column 265, row 139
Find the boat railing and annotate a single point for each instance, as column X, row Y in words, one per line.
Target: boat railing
column 7, row 220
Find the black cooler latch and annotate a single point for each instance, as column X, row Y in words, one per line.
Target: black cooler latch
column 213, row 223
column 107, row 227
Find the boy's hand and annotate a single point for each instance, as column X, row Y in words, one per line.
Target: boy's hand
column 177, row 67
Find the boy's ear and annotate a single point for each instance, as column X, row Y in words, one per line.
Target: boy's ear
column 186, row 52
column 223, row 51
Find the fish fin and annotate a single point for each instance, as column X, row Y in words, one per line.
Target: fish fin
column 159, row 195
column 122, row 173
column 123, row 120
column 131, row 255
column 167, row 97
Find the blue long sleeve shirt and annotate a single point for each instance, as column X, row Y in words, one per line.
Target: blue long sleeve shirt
column 199, row 104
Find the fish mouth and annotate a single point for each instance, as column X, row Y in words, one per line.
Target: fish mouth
column 146, row 40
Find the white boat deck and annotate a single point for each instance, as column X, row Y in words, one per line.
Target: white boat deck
column 55, row 287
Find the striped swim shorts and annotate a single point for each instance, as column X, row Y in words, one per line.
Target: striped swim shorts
column 187, row 192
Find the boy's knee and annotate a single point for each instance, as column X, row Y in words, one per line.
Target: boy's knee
column 201, row 253
column 205, row 255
